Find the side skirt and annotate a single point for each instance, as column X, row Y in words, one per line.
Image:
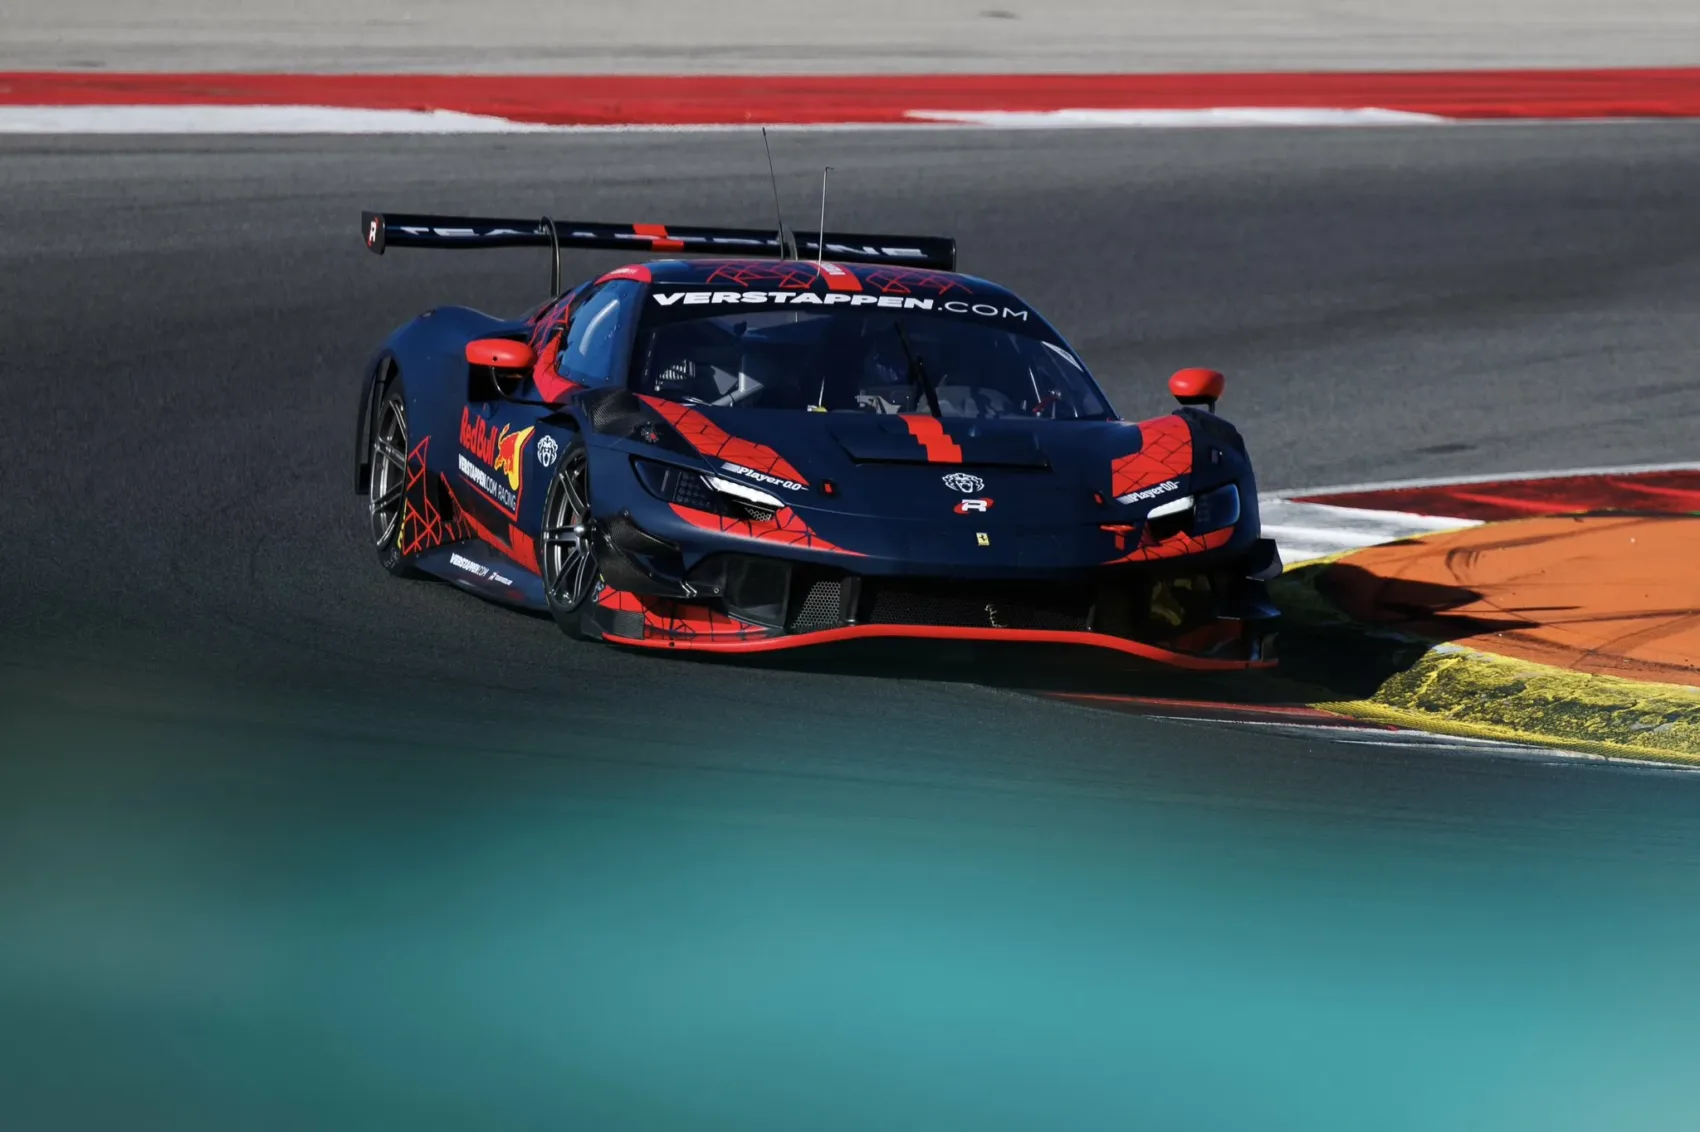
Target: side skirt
column 479, row 569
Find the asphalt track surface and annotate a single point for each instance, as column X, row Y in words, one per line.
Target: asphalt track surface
column 285, row 843
column 867, row 37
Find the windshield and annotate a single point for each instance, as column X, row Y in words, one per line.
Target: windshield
column 867, row 360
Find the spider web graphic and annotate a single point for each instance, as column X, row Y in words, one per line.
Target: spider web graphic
column 1165, row 454
column 716, row 443
column 550, row 385
column 550, row 319
column 789, row 275
column 677, row 620
column 792, row 275
column 1175, row 546
column 423, row 527
column 913, row 281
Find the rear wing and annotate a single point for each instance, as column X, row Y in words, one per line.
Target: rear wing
column 394, row 230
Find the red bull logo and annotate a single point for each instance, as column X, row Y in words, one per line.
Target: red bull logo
column 510, row 446
column 502, row 450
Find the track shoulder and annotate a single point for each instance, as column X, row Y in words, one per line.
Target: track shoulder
column 1455, row 690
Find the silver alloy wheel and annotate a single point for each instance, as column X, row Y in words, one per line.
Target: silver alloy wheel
column 388, row 486
column 569, row 552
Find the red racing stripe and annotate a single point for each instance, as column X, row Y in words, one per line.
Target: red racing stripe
column 636, row 272
column 522, row 549
column 837, row 278
column 659, row 233
column 674, row 100
column 941, row 449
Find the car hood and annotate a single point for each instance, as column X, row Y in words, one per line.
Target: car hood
column 1001, row 471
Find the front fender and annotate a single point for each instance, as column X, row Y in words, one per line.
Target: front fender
column 381, row 365
column 429, row 349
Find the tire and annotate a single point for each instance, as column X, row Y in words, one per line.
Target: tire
column 386, row 490
column 566, row 543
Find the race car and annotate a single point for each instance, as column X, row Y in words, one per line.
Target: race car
column 767, row 442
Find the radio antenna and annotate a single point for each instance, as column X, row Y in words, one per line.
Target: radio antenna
column 821, row 258
column 787, row 242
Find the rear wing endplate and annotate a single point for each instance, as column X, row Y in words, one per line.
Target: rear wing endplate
column 395, row 230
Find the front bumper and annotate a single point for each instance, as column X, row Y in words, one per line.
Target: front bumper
column 1259, row 655
column 1205, row 622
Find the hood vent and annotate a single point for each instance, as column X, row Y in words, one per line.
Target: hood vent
column 888, row 440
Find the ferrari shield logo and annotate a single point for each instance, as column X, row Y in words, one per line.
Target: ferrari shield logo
column 982, row 538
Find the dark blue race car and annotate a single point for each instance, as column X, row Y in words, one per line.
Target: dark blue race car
column 776, row 445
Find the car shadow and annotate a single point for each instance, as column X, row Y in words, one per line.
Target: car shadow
column 1348, row 631
column 1324, row 655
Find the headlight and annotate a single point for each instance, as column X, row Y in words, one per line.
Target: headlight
column 700, row 492
column 1197, row 514
column 1216, row 509
column 747, row 494
column 1172, row 507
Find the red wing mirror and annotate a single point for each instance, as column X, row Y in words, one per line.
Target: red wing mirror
column 501, row 353
column 1197, row 387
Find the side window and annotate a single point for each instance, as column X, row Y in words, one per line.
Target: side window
column 595, row 350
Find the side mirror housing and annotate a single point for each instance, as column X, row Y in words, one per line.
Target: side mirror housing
column 500, row 353
column 1197, row 387
column 498, row 368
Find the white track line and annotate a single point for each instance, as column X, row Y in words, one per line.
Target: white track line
column 1213, row 117
column 1509, row 477
column 181, row 119
column 248, row 120
column 1307, row 531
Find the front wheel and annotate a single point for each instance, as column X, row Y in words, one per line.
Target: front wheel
column 567, row 542
column 387, row 488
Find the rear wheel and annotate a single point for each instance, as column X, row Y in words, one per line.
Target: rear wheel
column 387, row 489
column 567, row 542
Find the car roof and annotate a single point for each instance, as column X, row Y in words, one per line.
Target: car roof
column 797, row 275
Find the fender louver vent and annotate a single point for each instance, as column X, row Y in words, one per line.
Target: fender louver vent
column 614, row 411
